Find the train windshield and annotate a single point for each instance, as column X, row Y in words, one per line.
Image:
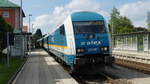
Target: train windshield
column 89, row 27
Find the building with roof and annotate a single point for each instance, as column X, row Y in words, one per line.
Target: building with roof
column 25, row 28
column 12, row 14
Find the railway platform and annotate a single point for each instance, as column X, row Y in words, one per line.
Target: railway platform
column 132, row 56
column 41, row 68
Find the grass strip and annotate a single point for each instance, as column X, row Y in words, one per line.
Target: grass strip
column 7, row 72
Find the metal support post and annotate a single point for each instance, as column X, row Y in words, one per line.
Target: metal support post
column 148, row 37
column 22, row 47
column 8, row 52
column 29, row 45
column 21, row 18
column 112, row 36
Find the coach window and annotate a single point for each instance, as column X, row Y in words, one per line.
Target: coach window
column 62, row 30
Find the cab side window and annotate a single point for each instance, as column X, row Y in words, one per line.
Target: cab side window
column 62, row 30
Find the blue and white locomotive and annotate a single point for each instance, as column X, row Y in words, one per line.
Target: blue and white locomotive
column 81, row 40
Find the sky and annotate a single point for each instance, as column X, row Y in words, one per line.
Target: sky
column 47, row 14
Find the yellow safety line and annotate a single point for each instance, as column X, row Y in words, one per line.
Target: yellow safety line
column 59, row 46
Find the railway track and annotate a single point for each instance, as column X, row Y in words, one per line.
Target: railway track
column 101, row 78
column 89, row 79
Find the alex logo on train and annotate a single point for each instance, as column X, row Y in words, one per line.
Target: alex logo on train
column 91, row 43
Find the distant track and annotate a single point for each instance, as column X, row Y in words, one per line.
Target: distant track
column 134, row 65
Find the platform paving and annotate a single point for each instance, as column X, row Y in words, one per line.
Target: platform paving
column 41, row 68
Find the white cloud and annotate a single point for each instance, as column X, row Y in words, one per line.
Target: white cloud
column 137, row 12
column 84, row 4
column 49, row 22
column 43, row 22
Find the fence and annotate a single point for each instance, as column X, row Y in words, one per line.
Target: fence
column 135, row 42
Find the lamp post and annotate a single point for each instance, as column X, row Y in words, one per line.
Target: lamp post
column 29, row 21
column 30, row 36
column 32, row 27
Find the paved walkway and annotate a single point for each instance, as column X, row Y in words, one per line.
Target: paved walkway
column 40, row 68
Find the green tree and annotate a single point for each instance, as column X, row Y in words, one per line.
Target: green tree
column 114, row 19
column 119, row 24
column 148, row 21
column 125, row 25
column 4, row 28
column 36, row 36
column 141, row 29
column 38, row 33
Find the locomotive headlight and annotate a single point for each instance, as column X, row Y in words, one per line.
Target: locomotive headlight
column 104, row 48
column 80, row 50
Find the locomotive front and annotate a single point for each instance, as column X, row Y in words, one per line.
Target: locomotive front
column 91, row 39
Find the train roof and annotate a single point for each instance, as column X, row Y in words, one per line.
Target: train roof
column 39, row 39
column 43, row 37
column 86, row 15
column 81, row 16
